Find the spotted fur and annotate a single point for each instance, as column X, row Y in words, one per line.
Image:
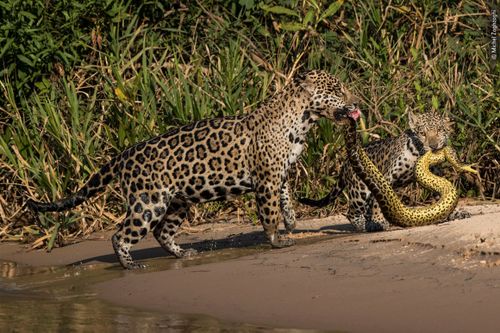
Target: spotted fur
column 390, row 204
column 396, row 158
column 216, row 159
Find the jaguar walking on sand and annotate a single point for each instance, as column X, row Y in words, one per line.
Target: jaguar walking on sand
column 216, row 159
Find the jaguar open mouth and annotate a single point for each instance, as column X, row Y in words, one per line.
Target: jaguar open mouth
column 346, row 113
column 354, row 114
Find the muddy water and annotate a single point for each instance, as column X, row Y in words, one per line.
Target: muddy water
column 61, row 299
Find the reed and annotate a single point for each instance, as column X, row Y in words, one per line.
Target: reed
column 80, row 82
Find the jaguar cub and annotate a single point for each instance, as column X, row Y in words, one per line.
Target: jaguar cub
column 395, row 157
column 216, row 159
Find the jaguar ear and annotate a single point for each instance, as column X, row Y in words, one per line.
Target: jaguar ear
column 300, row 75
column 445, row 117
column 412, row 120
column 349, row 97
column 448, row 123
column 306, row 81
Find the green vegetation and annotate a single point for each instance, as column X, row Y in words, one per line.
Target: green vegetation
column 80, row 81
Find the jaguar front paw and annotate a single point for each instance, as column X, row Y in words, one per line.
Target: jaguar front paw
column 281, row 242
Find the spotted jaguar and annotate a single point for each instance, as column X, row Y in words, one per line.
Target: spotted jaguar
column 396, row 158
column 216, row 159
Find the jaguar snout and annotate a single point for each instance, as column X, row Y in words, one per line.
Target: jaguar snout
column 346, row 112
column 436, row 146
column 433, row 147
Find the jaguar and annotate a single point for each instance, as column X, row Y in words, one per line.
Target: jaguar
column 396, row 158
column 390, row 204
column 216, row 159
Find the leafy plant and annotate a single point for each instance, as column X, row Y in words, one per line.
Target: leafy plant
column 81, row 81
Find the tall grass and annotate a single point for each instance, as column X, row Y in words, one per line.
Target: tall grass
column 125, row 71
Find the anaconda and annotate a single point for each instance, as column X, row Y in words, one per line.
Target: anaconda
column 390, row 204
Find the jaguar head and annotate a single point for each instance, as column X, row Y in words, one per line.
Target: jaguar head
column 432, row 129
column 329, row 97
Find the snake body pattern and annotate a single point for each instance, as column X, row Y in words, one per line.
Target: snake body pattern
column 391, row 206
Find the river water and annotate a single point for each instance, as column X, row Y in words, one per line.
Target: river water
column 61, row 299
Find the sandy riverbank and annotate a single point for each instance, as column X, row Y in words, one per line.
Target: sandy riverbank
column 436, row 278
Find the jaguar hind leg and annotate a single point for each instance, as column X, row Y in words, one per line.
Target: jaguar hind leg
column 165, row 232
column 459, row 214
column 122, row 247
column 124, row 238
column 145, row 212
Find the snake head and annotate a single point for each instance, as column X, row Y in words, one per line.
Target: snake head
column 468, row 168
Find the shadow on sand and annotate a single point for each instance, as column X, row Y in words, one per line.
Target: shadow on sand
column 237, row 241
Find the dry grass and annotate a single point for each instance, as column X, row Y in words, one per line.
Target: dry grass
column 143, row 69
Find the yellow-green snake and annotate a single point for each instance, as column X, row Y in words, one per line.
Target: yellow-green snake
column 391, row 206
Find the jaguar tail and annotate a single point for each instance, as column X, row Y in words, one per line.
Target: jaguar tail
column 94, row 185
column 326, row 200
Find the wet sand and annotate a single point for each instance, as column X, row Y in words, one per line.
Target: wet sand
column 436, row 278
